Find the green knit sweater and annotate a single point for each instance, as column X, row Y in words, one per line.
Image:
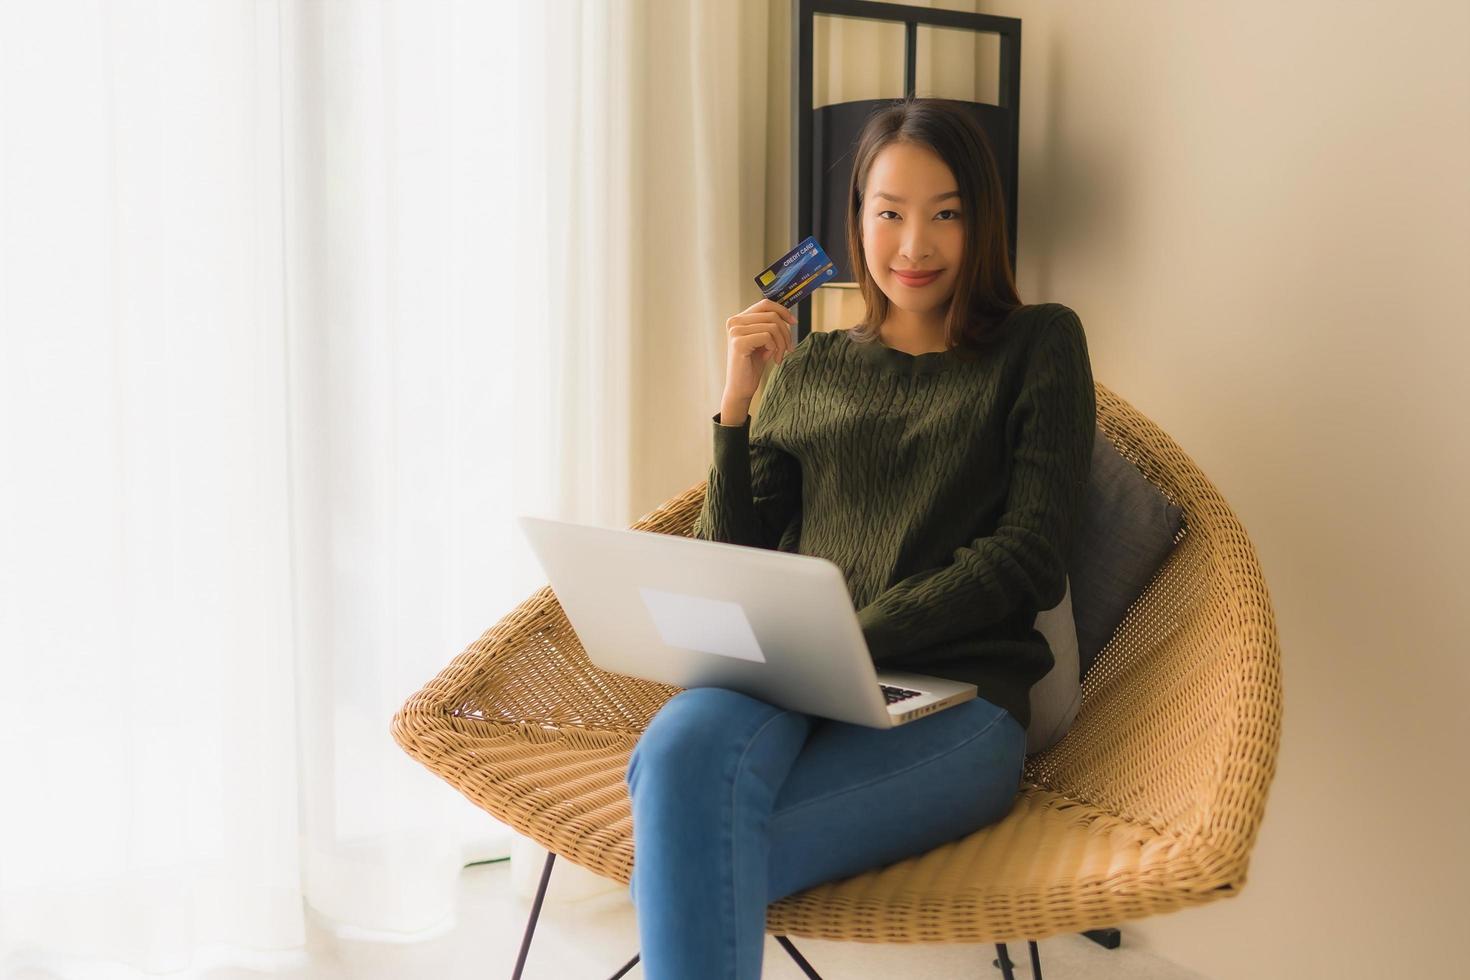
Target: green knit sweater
column 949, row 491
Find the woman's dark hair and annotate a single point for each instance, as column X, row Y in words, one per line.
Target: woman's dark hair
column 985, row 289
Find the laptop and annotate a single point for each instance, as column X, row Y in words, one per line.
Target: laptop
column 693, row 613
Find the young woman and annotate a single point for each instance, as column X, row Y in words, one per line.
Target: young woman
column 937, row 452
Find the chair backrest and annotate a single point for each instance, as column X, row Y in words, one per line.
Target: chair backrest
column 1181, row 713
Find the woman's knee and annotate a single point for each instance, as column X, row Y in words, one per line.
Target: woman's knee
column 694, row 725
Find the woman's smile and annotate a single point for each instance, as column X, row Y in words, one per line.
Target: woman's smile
column 915, row 281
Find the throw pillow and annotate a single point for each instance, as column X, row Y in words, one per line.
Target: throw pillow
column 1057, row 696
column 1128, row 529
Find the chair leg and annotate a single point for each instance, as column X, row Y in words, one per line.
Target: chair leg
column 1003, row 960
column 627, row 966
column 800, row 960
column 1108, row 938
column 535, row 911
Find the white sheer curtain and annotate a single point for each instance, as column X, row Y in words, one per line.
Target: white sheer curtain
column 300, row 303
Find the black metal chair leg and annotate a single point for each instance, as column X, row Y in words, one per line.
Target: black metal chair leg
column 535, row 911
column 627, row 966
column 1003, row 960
column 800, row 960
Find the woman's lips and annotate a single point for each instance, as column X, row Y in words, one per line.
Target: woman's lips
column 911, row 280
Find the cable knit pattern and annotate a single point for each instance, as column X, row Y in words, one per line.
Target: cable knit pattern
column 948, row 490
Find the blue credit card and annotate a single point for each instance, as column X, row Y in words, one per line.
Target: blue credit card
column 794, row 276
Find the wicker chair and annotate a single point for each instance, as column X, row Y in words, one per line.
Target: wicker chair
column 1151, row 802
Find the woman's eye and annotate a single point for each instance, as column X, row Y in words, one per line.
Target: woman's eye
column 945, row 211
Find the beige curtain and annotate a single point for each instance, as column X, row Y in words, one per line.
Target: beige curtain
column 705, row 194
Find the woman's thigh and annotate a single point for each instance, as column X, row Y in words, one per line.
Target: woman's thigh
column 858, row 798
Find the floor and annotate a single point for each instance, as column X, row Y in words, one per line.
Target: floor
column 589, row 937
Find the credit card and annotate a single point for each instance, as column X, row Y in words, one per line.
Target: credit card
column 794, row 276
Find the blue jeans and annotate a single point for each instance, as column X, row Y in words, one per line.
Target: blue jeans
column 738, row 803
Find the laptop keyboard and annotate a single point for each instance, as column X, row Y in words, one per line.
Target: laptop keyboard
column 892, row 694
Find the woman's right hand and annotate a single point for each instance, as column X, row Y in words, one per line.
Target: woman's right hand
column 758, row 334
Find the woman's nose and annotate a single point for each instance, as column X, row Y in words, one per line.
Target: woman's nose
column 915, row 246
column 915, row 251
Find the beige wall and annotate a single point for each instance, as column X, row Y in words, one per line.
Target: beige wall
column 1260, row 212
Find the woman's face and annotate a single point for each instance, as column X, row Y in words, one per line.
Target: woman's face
column 911, row 221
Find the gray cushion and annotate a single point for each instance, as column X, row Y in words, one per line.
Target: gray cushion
column 1057, row 696
column 1127, row 532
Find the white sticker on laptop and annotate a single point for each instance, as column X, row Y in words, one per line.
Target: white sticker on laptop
column 694, row 622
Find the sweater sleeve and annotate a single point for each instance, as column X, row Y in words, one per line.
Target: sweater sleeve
column 1050, row 429
column 754, row 487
